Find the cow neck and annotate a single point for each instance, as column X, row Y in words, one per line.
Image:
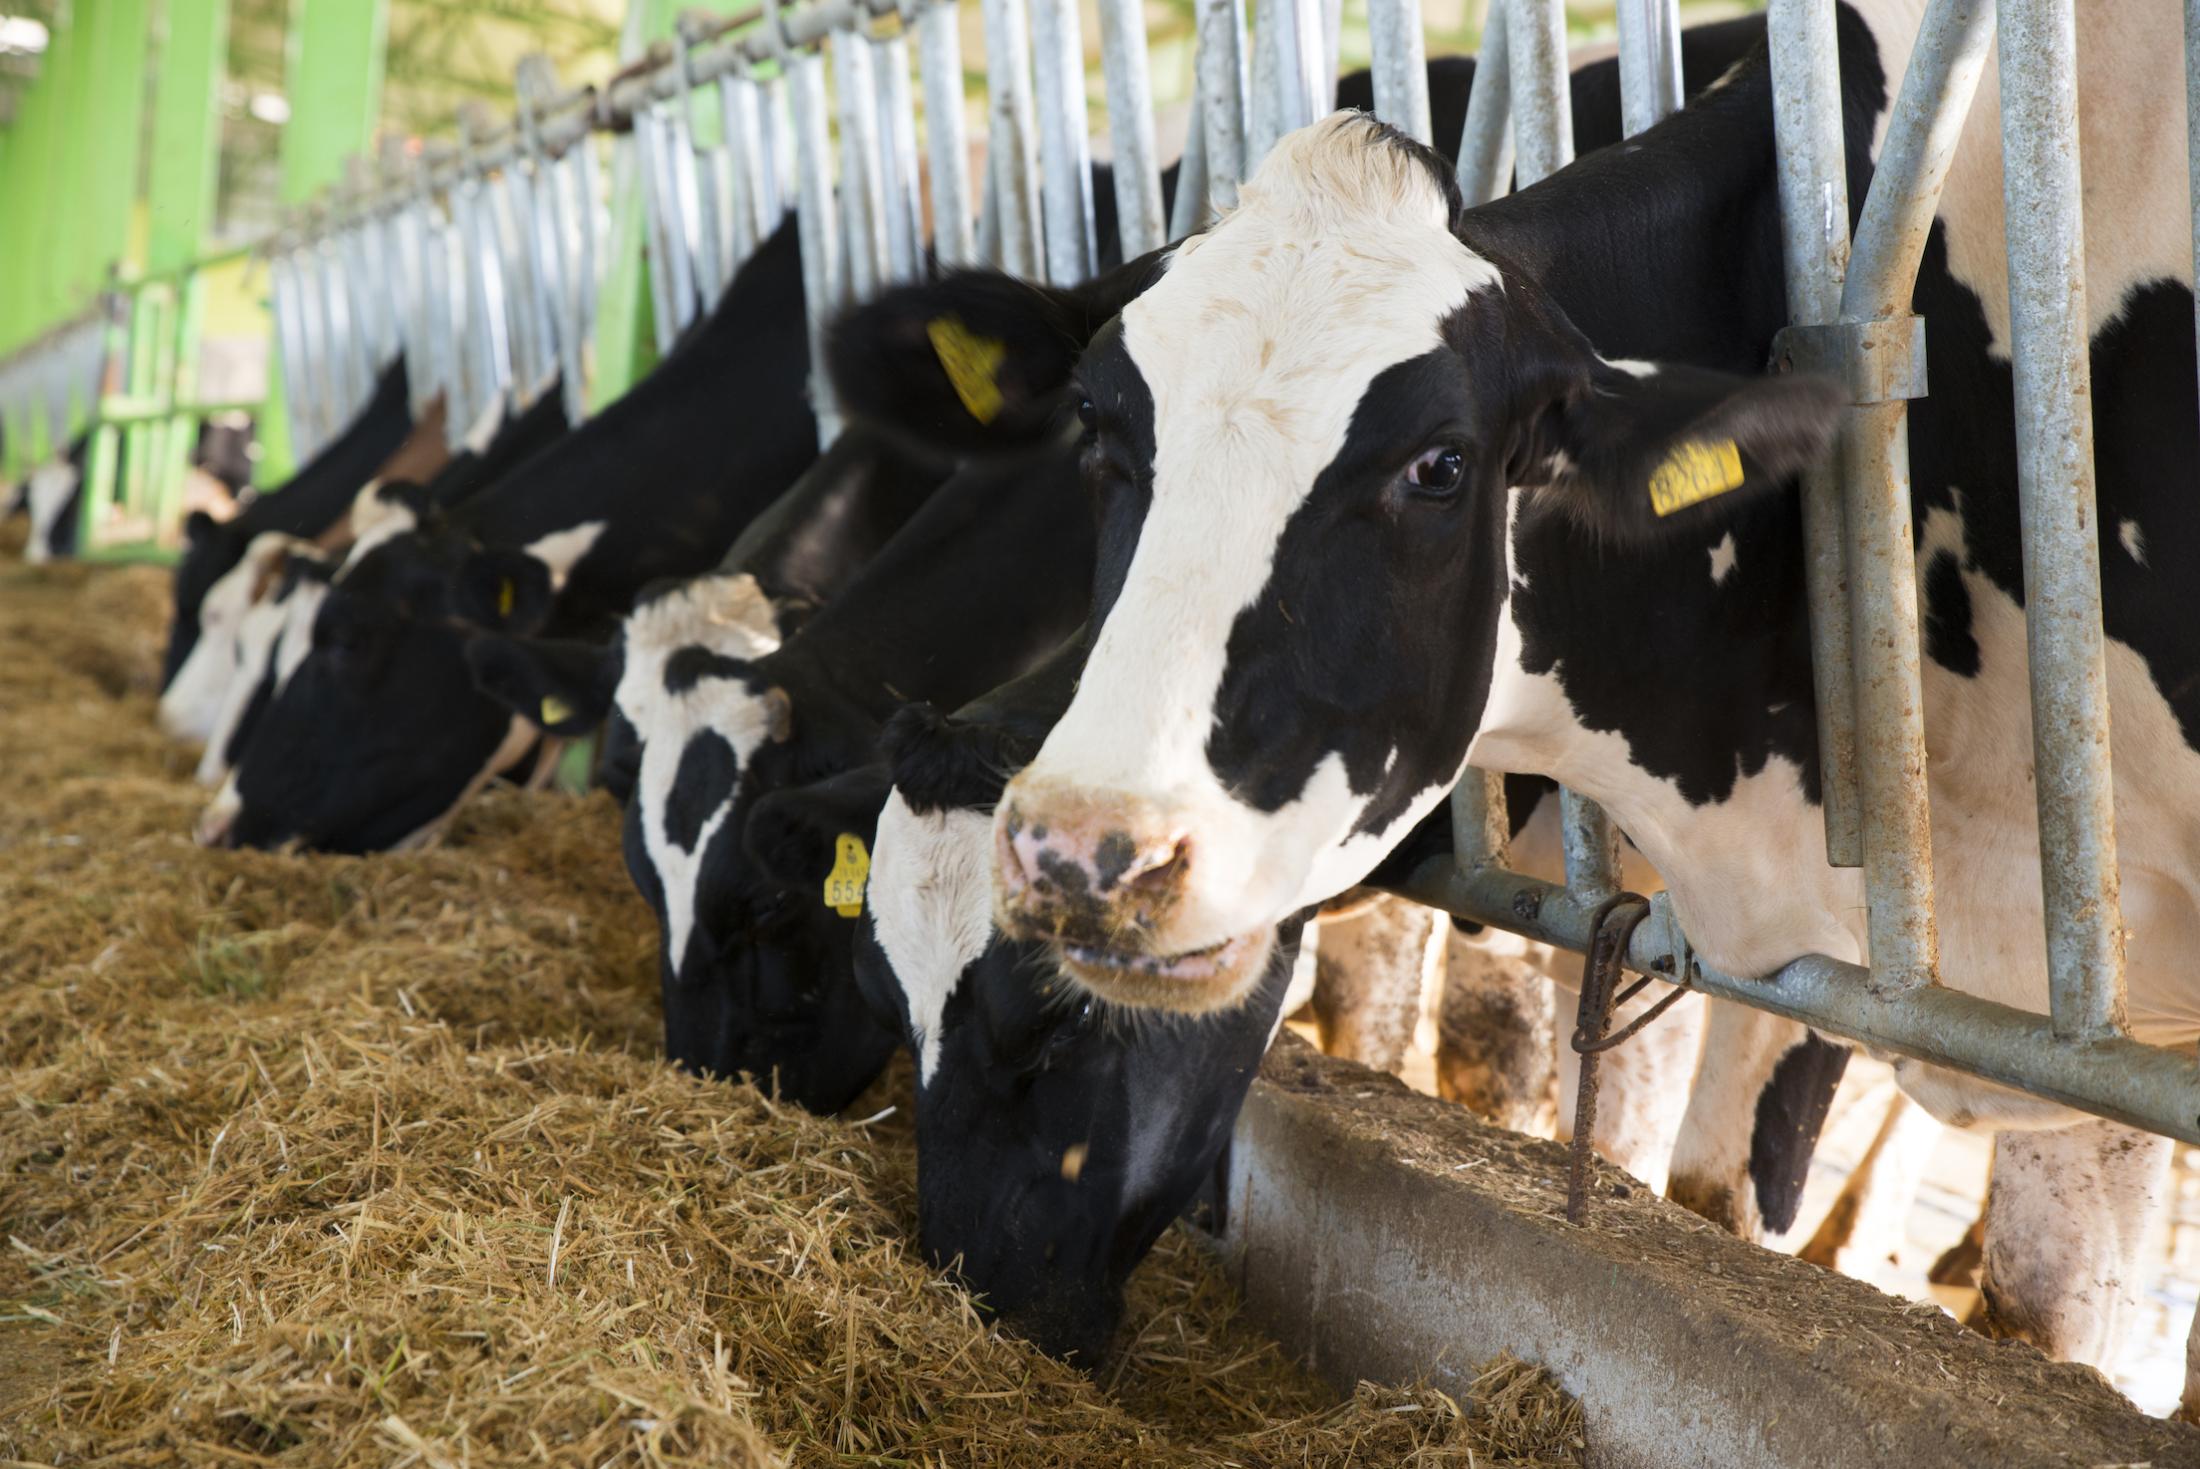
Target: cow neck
column 813, row 539
column 989, row 577
column 678, row 466
column 315, row 497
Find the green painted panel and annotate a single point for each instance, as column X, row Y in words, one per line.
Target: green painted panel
column 186, row 144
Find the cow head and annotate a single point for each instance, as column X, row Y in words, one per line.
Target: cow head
column 231, row 617
column 1056, row 1136
column 211, row 549
column 1308, row 437
column 382, row 729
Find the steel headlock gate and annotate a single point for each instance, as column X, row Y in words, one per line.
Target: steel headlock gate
column 1850, row 303
column 481, row 264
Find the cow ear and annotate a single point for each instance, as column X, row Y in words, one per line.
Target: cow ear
column 503, row 590
column 1637, row 451
column 562, row 688
column 974, row 362
column 944, row 764
column 794, row 836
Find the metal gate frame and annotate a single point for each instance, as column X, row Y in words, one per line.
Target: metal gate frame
column 1852, row 320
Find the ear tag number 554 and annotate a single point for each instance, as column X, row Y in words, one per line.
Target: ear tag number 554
column 851, row 870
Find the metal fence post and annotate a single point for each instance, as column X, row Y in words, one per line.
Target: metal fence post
column 1401, row 66
column 939, row 44
column 1486, row 142
column 2062, row 573
column 862, row 181
column 1126, row 68
column 1065, row 154
column 1543, row 114
column 897, row 108
column 1012, row 142
column 1649, row 62
column 1221, row 92
column 805, row 73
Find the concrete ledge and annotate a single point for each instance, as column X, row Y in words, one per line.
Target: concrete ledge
column 1391, row 1236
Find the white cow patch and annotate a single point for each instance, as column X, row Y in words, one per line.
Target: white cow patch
column 931, row 899
column 562, row 550
column 1722, row 559
column 729, row 615
column 192, row 705
column 375, row 521
column 48, row 494
column 281, row 632
column 2134, row 540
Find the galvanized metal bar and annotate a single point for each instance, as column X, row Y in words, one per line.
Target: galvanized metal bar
column 2049, row 345
column 1012, row 143
column 1264, row 103
column 1127, row 69
column 1649, row 62
column 1481, row 828
column 696, row 169
column 1814, row 216
column 643, row 146
column 1591, row 846
column 1065, row 151
column 590, row 219
column 862, row 180
column 897, row 107
column 1486, row 142
column 1542, row 107
column 1188, row 209
column 2146, row 1086
column 1221, row 71
column 1400, row 63
column 947, row 147
column 815, row 220
column 741, row 120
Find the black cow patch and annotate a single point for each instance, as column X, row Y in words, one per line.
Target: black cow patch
column 1948, row 639
column 690, row 665
column 703, row 783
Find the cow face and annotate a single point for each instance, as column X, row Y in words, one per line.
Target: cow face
column 1308, row 437
column 1056, row 1136
column 381, row 731
column 211, row 549
column 272, row 642
column 234, row 630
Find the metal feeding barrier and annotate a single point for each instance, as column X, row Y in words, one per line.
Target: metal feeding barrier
column 1850, row 302
column 481, row 262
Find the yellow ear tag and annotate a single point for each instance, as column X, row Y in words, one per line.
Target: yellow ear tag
column 970, row 362
column 554, row 711
column 1695, row 471
column 851, row 870
column 504, row 597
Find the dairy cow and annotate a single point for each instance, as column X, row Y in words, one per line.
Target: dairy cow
column 1483, row 413
column 382, row 731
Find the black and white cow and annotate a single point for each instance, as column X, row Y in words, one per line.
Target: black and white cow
column 52, row 495
column 985, row 579
column 382, row 731
column 305, row 505
column 1472, row 411
column 1056, row 1138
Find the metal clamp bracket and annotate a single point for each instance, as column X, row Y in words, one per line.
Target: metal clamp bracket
column 1880, row 361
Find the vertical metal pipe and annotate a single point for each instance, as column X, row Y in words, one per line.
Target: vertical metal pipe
column 1481, row 828
column 1543, row 114
column 588, row 228
column 1265, row 106
column 1128, row 72
column 1400, row 64
column 862, row 175
column 1814, row 221
column 947, row 148
column 1012, row 145
column 1065, row 151
column 1188, row 210
column 741, row 120
column 1486, row 143
column 642, row 149
column 1221, row 73
column 805, row 73
column 1591, row 846
column 897, row 107
column 1649, row 62
column 2049, row 346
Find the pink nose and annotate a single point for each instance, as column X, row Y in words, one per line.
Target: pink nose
column 1081, row 864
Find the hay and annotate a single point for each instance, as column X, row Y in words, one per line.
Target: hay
column 333, row 1161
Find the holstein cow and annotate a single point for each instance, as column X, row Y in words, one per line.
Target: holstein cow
column 305, row 505
column 1056, row 1136
column 230, row 614
column 985, row 579
column 1483, row 414
column 382, row 731
column 52, row 494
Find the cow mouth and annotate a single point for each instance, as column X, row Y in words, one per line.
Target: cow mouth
column 1196, row 981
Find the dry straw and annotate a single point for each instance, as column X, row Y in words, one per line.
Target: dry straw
column 323, row 1161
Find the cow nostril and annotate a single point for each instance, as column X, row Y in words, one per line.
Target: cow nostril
column 1126, row 863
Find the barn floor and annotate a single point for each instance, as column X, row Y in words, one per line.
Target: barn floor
column 325, row 1161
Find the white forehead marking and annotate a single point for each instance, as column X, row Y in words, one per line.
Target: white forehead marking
column 374, row 520
column 731, row 616
column 931, row 898
column 562, row 550
column 2135, row 541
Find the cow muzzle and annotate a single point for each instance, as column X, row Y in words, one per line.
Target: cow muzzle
column 1103, row 879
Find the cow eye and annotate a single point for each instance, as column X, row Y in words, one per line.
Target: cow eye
column 1437, row 471
column 1088, row 415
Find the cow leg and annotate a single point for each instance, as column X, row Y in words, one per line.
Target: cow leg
column 1496, row 1030
column 1643, row 1084
column 1368, row 973
column 2066, row 1216
column 1863, row 1230
column 1752, row 1120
